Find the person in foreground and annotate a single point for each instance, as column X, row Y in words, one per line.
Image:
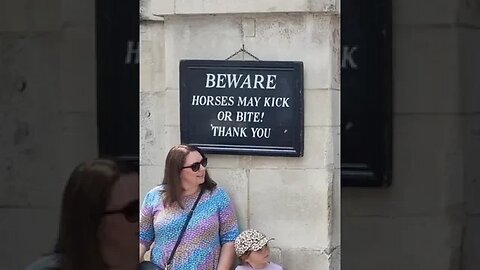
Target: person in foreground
column 251, row 246
column 99, row 219
column 207, row 242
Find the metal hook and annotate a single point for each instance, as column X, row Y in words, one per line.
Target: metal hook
column 244, row 51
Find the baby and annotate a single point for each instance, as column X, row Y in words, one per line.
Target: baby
column 252, row 249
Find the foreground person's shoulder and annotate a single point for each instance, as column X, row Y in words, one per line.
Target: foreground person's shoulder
column 220, row 192
column 46, row 262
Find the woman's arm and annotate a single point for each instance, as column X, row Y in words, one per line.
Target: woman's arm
column 228, row 231
column 146, row 227
column 227, row 255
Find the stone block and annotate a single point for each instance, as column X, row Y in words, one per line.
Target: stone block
column 14, row 16
column 287, row 202
column 329, row 6
column 276, row 255
column 334, row 259
column 172, row 137
column 397, row 243
column 214, row 37
column 337, row 139
column 16, row 227
column 472, row 174
column 80, row 127
column 8, row 131
column 412, row 12
column 304, row 259
column 318, row 152
column 335, row 47
column 47, row 146
column 469, row 58
column 335, row 209
column 170, row 7
column 301, row 35
column 46, row 15
column 13, row 191
column 78, row 13
column 147, row 61
column 306, row 38
column 26, row 80
column 228, row 161
column 152, row 57
column 55, row 174
column 150, row 176
column 426, row 167
column 146, row 9
column 425, row 61
column 472, row 244
column 30, row 161
column 77, row 71
column 322, row 107
column 152, row 133
column 79, row 136
column 468, row 13
column 161, row 7
column 172, row 107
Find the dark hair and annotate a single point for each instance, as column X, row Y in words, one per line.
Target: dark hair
column 173, row 166
column 84, row 201
column 244, row 256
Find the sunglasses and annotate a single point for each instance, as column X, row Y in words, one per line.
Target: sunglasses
column 196, row 166
column 130, row 211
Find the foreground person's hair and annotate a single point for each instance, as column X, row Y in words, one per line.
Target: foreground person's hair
column 84, row 201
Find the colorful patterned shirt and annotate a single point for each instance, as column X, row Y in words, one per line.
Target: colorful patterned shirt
column 213, row 224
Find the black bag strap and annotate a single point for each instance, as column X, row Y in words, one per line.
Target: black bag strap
column 182, row 232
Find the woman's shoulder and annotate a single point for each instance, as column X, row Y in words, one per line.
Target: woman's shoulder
column 218, row 191
column 219, row 197
column 157, row 191
column 154, row 196
column 47, row 262
column 220, row 194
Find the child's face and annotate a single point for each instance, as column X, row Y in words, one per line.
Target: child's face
column 259, row 258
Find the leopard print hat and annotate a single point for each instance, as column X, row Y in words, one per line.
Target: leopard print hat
column 252, row 240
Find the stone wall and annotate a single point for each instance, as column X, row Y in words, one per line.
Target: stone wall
column 295, row 200
column 48, row 116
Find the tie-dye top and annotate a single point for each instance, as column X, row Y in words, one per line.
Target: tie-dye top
column 213, row 224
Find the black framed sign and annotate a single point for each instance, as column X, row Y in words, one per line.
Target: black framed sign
column 242, row 107
column 117, row 36
column 366, row 98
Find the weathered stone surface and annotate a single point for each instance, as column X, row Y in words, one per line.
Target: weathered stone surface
column 170, row 7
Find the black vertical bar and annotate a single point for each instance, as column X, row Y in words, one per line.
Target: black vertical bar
column 117, row 37
column 366, row 98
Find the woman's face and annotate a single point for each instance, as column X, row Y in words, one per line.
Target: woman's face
column 118, row 232
column 191, row 179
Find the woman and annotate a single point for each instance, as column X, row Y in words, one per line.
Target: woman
column 99, row 219
column 208, row 240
